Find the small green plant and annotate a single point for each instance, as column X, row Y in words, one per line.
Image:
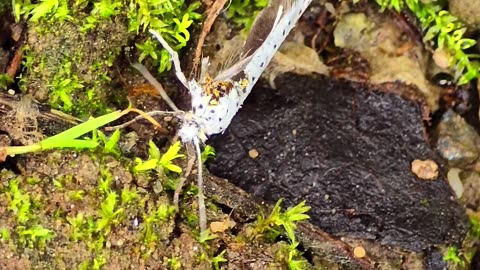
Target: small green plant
column 475, row 226
column 77, row 227
column 161, row 214
column 219, row 259
column 174, row 263
column 110, row 144
column 278, row 221
column 64, row 84
column 293, row 253
column 76, row 195
column 454, row 256
column 444, row 28
column 243, row 12
column 19, row 202
column 205, row 236
column 106, row 179
column 162, row 163
column 5, row 81
column 35, row 235
column 128, row 195
column 285, row 220
column 169, row 18
column 109, row 215
column 55, row 9
column 98, row 262
column 208, row 152
column 4, row 234
column 106, row 8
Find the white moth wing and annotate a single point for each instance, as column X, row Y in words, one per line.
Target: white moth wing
column 214, row 117
column 264, row 54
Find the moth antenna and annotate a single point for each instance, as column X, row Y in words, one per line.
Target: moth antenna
column 142, row 69
column 229, row 4
column 202, row 213
column 174, row 58
column 204, row 68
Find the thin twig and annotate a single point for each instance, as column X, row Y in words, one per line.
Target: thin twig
column 181, row 183
column 152, row 113
column 213, row 13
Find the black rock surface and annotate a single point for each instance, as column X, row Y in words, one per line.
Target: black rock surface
column 346, row 150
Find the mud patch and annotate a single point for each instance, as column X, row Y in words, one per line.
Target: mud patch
column 347, row 151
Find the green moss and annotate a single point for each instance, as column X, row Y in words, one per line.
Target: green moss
column 28, row 230
column 454, row 256
column 72, row 47
column 243, row 12
column 154, row 218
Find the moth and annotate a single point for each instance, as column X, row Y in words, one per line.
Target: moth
column 215, row 101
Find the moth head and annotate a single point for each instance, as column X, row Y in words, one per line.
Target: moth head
column 190, row 130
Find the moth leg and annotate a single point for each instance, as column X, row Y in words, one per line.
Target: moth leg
column 174, row 57
column 142, row 69
column 202, row 212
column 190, row 163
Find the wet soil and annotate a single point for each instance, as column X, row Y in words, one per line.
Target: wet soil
column 346, row 149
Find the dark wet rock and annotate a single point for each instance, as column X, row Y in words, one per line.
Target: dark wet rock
column 347, row 151
column 457, row 142
column 434, row 260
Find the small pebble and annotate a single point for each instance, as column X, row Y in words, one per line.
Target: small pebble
column 425, row 169
column 11, row 92
column 359, row 252
column 253, row 153
column 218, row 226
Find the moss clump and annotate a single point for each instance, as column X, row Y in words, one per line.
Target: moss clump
column 72, row 47
column 243, row 12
